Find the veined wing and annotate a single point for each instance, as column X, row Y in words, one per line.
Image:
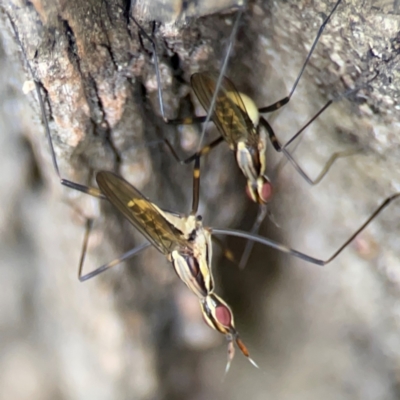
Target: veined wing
column 230, row 115
column 140, row 212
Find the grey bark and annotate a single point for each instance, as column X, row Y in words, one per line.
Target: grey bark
column 135, row 332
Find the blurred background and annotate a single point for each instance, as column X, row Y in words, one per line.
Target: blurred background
column 136, row 332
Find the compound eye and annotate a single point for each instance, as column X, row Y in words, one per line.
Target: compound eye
column 223, row 315
column 265, row 191
column 217, row 314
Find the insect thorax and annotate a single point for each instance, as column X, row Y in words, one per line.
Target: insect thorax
column 192, row 263
column 250, row 108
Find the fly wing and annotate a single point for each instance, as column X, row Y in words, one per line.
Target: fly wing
column 230, row 115
column 139, row 211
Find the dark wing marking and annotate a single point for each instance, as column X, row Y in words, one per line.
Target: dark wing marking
column 230, row 115
column 140, row 212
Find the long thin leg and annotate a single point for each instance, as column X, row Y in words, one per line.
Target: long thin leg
column 65, row 182
column 262, row 213
column 280, row 103
column 205, row 150
column 196, row 170
column 181, row 121
column 186, row 121
column 196, row 186
column 155, row 57
column 273, row 138
column 113, row 263
column 88, row 228
column 283, row 161
column 298, row 254
column 277, row 146
column 336, row 99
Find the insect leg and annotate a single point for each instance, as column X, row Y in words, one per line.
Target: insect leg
column 280, row 103
column 262, row 213
column 65, row 182
column 298, row 254
column 338, row 98
column 205, row 150
column 82, row 188
column 88, row 228
column 113, row 263
column 196, row 170
column 282, row 148
column 153, row 45
column 186, row 121
column 177, row 121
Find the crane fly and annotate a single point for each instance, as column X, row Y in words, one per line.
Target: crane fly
column 185, row 243
column 242, row 127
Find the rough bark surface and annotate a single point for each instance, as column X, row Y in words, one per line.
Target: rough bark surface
column 135, row 332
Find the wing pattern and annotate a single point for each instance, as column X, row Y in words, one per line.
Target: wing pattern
column 230, row 115
column 140, row 212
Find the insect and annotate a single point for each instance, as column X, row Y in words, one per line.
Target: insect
column 242, row 127
column 185, row 243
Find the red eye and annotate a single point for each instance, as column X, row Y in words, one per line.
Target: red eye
column 223, row 315
column 266, row 192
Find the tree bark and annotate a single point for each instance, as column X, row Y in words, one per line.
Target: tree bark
column 135, row 332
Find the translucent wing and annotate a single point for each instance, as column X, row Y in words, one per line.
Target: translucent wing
column 230, row 115
column 140, row 212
